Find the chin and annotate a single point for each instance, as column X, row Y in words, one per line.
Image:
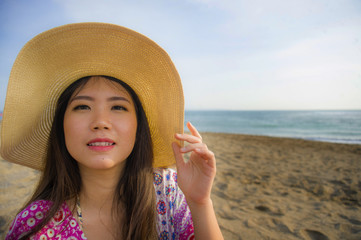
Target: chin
column 105, row 164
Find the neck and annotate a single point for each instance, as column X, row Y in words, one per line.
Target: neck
column 98, row 187
column 96, row 200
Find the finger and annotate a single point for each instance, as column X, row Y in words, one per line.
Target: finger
column 207, row 155
column 193, row 147
column 179, row 160
column 187, row 138
column 193, row 130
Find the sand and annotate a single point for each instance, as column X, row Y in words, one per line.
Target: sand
column 265, row 188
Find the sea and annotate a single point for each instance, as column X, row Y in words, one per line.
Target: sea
column 327, row 126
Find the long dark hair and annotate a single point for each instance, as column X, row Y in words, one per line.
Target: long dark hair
column 134, row 198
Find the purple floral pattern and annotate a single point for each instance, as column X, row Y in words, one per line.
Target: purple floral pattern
column 174, row 220
column 62, row 226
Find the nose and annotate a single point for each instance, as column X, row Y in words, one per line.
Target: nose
column 101, row 121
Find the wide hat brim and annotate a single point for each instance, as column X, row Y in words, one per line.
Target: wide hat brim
column 53, row 60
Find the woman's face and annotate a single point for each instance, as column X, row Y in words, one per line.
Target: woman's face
column 100, row 125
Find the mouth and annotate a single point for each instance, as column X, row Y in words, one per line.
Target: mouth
column 101, row 144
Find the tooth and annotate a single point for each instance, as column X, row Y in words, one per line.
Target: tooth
column 101, row 144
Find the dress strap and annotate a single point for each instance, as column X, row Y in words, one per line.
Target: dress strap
column 79, row 213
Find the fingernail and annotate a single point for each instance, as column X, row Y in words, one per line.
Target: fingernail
column 183, row 149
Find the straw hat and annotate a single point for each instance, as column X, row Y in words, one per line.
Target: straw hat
column 53, row 60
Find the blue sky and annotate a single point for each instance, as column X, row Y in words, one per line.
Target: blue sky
column 238, row 55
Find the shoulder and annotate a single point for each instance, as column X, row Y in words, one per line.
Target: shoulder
column 163, row 176
column 173, row 214
column 169, row 197
column 28, row 218
column 32, row 215
column 166, row 186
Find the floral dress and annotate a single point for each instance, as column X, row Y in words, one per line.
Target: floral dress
column 174, row 220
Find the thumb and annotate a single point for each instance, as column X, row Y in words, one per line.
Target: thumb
column 179, row 160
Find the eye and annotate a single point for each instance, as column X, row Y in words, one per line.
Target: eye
column 119, row 108
column 81, row 107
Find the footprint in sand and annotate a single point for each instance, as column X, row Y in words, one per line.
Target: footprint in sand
column 350, row 220
column 265, row 209
column 314, row 235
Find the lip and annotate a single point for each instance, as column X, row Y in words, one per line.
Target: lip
column 101, row 148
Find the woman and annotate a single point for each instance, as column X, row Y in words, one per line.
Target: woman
column 104, row 126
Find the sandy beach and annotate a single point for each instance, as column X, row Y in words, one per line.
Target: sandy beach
column 266, row 188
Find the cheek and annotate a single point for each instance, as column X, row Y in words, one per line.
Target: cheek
column 128, row 130
column 72, row 129
column 134, row 131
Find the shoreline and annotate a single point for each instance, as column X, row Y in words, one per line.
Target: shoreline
column 314, row 139
column 265, row 188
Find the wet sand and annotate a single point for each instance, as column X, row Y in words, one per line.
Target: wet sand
column 266, row 188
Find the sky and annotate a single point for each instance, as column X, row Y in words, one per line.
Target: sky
column 230, row 54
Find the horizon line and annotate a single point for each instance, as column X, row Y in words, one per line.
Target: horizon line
column 348, row 109
column 218, row 109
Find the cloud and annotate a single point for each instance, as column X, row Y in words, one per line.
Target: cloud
column 230, row 54
column 320, row 71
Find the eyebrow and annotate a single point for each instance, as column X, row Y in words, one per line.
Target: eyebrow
column 111, row 99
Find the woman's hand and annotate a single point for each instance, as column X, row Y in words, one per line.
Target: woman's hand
column 196, row 176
